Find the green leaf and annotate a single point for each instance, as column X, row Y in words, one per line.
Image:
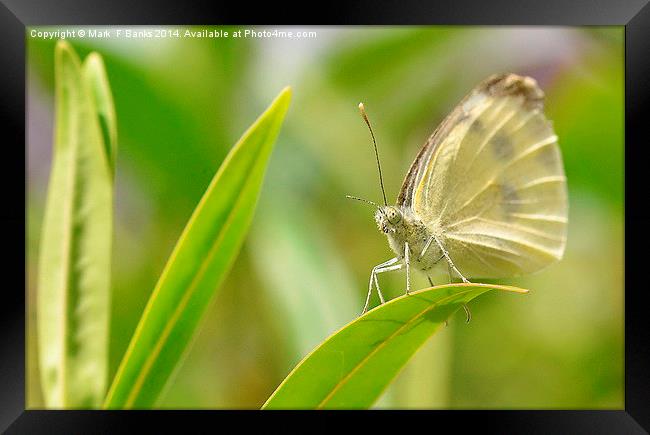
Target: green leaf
column 200, row 261
column 353, row 366
column 75, row 250
column 102, row 97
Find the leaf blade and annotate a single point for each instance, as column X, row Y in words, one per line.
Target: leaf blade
column 95, row 74
column 74, row 259
column 203, row 255
column 353, row 366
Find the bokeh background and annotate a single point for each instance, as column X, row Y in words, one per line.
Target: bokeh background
column 303, row 270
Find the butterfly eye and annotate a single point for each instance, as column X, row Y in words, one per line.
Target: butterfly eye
column 393, row 216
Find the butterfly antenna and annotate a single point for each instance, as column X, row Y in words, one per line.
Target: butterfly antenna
column 362, row 200
column 374, row 142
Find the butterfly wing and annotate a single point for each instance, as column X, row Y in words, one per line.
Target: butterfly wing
column 490, row 180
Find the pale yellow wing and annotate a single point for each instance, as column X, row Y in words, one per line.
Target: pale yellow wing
column 491, row 181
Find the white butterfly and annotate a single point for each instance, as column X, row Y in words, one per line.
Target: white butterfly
column 486, row 195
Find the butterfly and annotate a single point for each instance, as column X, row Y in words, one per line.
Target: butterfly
column 486, row 195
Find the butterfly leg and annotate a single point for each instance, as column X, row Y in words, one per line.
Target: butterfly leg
column 373, row 278
column 425, row 249
column 382, row 270
column 407, row 262
column 450, row 267
column 451, row 263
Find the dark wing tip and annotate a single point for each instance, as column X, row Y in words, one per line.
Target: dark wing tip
column 513, row 84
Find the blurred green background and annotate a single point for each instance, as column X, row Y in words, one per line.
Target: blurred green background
column 182, row 103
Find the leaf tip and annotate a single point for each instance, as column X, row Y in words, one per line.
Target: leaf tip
column 64, row 50
column 287, row 90
column 284, row 97
column 94, row 60
column 513, row 289
column 65, row 59
column 62, row 45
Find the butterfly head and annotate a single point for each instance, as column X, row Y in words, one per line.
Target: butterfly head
column 388, row 217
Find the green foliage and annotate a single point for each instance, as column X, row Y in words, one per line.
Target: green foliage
column 303, row 269
column 103, row 99
column 352, row 367
column 202, row 257
column 74, row 264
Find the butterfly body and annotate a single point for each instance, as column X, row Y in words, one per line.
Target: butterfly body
column 403, row 227
column 487, row 191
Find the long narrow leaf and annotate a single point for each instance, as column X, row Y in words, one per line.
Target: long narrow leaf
column 202, row 257
column 75, row 250
column 353, row 366
column 95, row 75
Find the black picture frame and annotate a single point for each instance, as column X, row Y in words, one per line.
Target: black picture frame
column 15, row 15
